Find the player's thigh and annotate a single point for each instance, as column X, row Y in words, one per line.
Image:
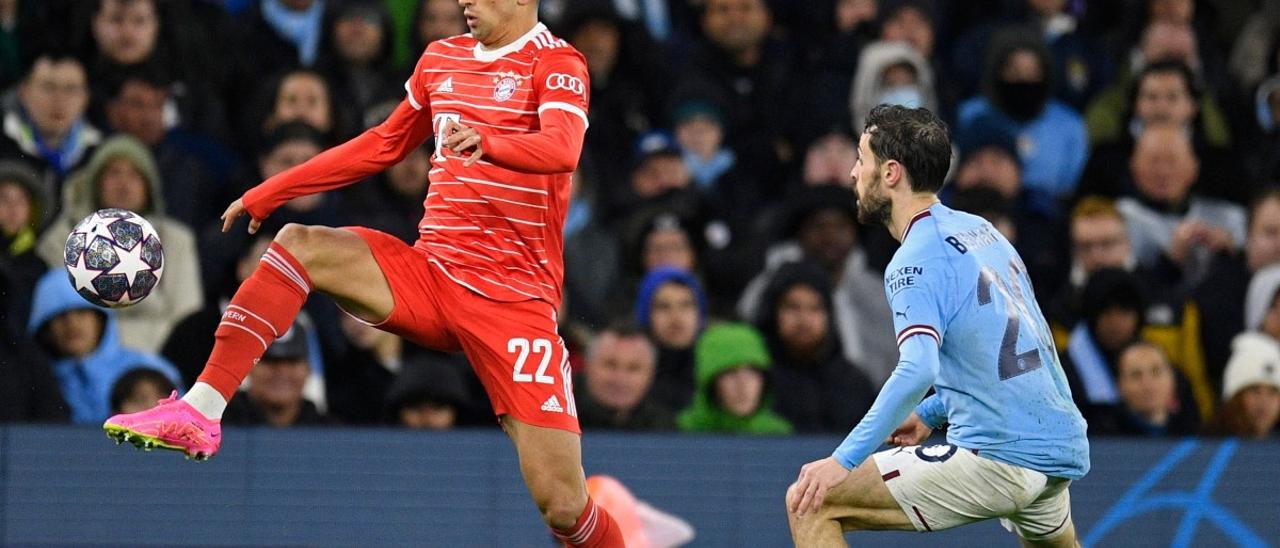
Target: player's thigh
column 863, row 502
column 341, row 264
column 1047, row 520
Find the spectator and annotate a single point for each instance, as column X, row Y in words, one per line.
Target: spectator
column 1166, row 220
column 275, row 393
column 1051, row 136
column 891, row 72
column 47, row 126
column 29, row 393
column 430, row 395
column 672, row 307
column 820, row 225
column 592, row 258
column 197, row 170
column 121, row 173
column 360, row 65
column 281, row 34
column 909, row 21
column 1222, row 297
column 128, row 35
column 300, row 95
column 139, row 390
column 1161, row 41
column 83, row 344
column 1112, row 306
column 748, row 76
column 834, row 45
column 434, row 20
column 628, row 93
column 358, row 381
column 829, row 160
column 699, row 132
column 613, row 392
column 1149, row 404
column 989, row 160
column 1165, row 92
column 1251, row 390
column 24, row 209
column 392, row 201
column 1267, row 106
column 818, row 389
column 734, row 395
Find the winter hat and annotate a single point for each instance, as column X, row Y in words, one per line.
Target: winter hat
column 1255, row 359
column 661, row 275
column 726, row 346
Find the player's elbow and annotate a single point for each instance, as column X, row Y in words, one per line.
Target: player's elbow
column 563, row 163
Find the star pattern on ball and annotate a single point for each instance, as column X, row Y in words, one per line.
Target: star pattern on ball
column 82, row 274
column 130, row 263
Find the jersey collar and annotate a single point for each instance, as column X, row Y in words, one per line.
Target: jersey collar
column 920, row 215
column 490, row 55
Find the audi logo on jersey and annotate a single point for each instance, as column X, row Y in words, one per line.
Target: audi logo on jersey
column 572, row 84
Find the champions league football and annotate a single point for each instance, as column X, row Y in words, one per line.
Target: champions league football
column 114, row 258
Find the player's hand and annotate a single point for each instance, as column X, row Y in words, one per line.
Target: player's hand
column 816, row 480
column 460, row 138
column 235, row 210
column 911, row 432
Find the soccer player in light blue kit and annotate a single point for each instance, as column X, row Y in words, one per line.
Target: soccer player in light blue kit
column 968, row 325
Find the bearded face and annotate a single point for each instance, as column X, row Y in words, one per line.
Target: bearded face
column 874, row 205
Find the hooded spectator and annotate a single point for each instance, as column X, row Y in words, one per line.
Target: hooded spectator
column 431, row 394
column 734, row 395
column 84, row 346
column 123, row 174
column 24, row 210
column 672, row 307
column 818, row 389
column 359, row 63
column 1052, row 144
column 891, row 73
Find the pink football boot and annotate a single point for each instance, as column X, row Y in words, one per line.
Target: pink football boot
column 172, row 424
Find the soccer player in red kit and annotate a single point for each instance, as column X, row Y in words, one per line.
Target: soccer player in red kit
column 507, row 105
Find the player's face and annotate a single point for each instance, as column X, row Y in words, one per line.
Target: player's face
column 673, row 316
column 1101, row 242
column 55, row 95
column 126, row 31
column 15, row 208
column 1262, row 406
column 802, row 319
column 1263, row 245
column 486, row 18
column 1145, row 381
column 620, row 372
column 1163, row 98
column 874, row 204
column 75, row 333
column 278, row 383
column 739, row 390
column 122, row 185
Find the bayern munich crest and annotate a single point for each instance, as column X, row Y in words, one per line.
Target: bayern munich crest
column 505, row 86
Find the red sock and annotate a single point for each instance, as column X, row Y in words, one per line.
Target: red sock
column 595, row 529
column 261, row 310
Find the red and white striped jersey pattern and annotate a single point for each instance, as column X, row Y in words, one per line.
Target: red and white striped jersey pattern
column 497, row 231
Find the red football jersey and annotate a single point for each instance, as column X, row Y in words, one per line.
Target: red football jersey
column 496, row 226
column 497, row 230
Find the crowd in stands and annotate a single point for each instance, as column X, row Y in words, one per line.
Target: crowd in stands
column 717, row 277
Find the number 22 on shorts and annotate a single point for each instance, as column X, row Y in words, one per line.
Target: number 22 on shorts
column 522, row 348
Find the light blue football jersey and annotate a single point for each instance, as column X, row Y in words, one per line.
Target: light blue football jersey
column 999, row 384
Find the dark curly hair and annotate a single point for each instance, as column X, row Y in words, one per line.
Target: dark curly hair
column 915, row 138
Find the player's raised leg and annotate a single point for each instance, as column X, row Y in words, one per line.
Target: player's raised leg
column 299, row 260
column 551, row 462
column 860, row 502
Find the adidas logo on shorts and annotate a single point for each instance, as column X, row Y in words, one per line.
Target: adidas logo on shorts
column 553, row 405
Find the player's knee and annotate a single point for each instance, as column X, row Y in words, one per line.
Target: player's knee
column 294, row 237
column 560, row 509
column 793, row 491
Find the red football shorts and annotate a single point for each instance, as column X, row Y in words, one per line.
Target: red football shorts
column 514, row 348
